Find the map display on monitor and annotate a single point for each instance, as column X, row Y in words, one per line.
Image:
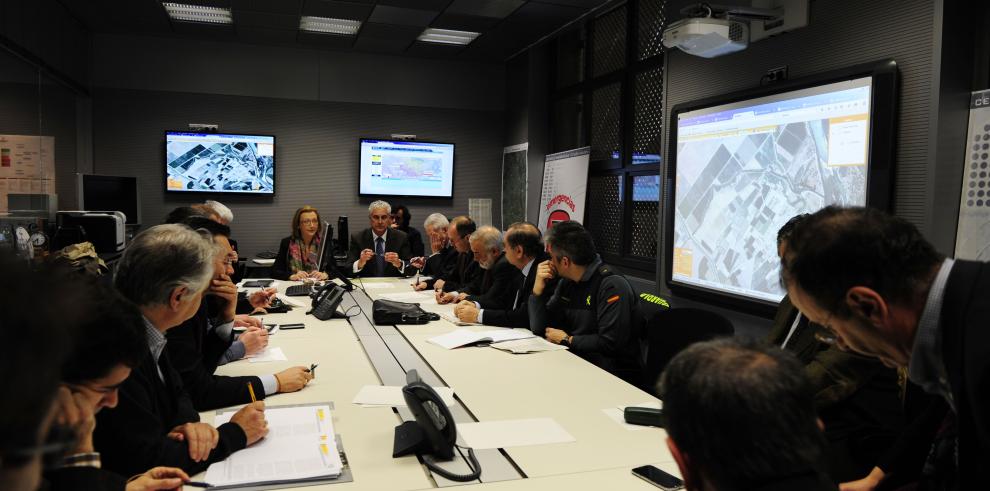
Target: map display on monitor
column 743, row 169
column 219, row 163
column 407, row 168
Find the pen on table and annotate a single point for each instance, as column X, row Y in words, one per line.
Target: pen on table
column 251, row 391
column 312, row 368
column 196, row 484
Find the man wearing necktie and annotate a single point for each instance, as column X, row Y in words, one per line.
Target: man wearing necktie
column 385, row 248
column 524, row 249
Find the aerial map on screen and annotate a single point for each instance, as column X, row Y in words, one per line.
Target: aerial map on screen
column 220, row 163
column 744, row 169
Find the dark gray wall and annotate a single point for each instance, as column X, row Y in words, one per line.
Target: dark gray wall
column 317, row 104
column 316, row 153
column 168, row 64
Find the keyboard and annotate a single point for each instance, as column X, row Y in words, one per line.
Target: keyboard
column 299, row 290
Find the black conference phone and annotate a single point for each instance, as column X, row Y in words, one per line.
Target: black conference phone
column 432, row 433
column 325, row 301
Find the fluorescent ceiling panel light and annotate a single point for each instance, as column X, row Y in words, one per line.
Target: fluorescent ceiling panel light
column 329, row 25
column 446, row 36
column 198, row 13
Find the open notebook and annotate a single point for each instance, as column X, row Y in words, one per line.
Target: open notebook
column 300, row 447
column 465, row 337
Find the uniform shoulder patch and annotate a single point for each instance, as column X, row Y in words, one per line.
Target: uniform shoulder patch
column 613, row 299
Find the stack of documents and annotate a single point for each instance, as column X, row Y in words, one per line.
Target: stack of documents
column 385, row 395
column 465, row 337
column 300, row 447
column 528, row 345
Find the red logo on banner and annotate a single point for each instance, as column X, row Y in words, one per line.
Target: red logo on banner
column 562, row 198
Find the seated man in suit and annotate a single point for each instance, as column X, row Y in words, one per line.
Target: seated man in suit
column 880, row 289
column 741, row 416
column 379, row 250
column 197, row 346
column 524, row 249
column 443, row 255
column 466, row 270
column 110, row 341
column 590, row 307
column 165, row 271
column 496, row 287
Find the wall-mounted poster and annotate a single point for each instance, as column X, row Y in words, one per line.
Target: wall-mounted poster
column 565, row 186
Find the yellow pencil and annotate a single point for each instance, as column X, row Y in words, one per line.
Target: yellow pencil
column 251, row 391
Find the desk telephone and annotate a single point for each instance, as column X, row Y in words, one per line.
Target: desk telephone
column 325, row 301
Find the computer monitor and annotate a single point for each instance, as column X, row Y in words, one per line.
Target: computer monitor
column 326, row 245
column 219, row 163
column 742, row 164
column 406, row 168
column 110, row 193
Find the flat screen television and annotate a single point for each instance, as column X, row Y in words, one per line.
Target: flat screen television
column 219, row 163
column 742, row 164
column 406, row 168
column 109, row 193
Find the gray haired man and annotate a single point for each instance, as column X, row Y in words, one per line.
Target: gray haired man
column 379, row 250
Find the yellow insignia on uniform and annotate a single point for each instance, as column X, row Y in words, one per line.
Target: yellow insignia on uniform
column 588, row 300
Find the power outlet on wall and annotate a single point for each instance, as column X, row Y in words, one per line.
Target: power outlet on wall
column 776, row 74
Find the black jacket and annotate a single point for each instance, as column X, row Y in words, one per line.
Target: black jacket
column 194, row 353
column 497, row 288
column 415, row 239
column 440, row 265
column 965, row 327
column 131, row 437
column 395, row 241
column 508, row 316
column 87, row 478
column 466, row 272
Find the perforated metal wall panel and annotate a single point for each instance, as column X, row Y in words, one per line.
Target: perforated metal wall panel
column 609, row 43
column 645, row 206
column 651, row 23
column 648, row 112
column 606, row 124
column 605, row 212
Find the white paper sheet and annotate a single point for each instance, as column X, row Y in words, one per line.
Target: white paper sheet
column 534, row 344
column 293, row 302
column 464, row 337
column 616, row 414
column 264, row 262
column 513, row 433
column 386, row 395
column 268, row 354
column 300, row 445
column 422, row 298
column 371, row 285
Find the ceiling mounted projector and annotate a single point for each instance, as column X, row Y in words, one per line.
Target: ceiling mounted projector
column 707, row 37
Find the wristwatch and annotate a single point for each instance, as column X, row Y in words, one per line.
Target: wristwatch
column 566, row 341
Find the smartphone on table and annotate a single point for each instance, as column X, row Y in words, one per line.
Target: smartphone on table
column 658, row 478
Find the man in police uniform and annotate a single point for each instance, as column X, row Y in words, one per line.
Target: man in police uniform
column 580, row 302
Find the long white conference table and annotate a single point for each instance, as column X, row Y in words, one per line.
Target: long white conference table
column 489, row 385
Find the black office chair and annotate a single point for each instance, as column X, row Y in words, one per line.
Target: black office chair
column 670, row 331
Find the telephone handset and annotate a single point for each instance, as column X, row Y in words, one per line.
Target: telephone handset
column 432, row 433
column 325, row 301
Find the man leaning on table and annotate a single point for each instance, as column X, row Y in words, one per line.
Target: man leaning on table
column 580, row 302
column 165, row 271
column 524, row 249
column 379, row 250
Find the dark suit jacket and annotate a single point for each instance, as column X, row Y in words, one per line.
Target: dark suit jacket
column 857, row 397
column 194, row 353
column 281, row 270
column 440, row 265
column 965, row 326
column 415, row 238
column 395, row 241
column 466, row 272
column 131, row 437
column 519, row 316
column 498, row 285
column 88, row 478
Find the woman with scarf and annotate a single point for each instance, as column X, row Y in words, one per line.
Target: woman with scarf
column 298, row 255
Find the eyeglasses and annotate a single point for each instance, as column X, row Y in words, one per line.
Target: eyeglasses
column 309, row 221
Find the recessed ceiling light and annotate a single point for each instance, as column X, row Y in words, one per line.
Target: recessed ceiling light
column 198, row 13
column 329, row 25
column 446, row 36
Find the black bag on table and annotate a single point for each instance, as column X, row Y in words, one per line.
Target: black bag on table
column 392, row 312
